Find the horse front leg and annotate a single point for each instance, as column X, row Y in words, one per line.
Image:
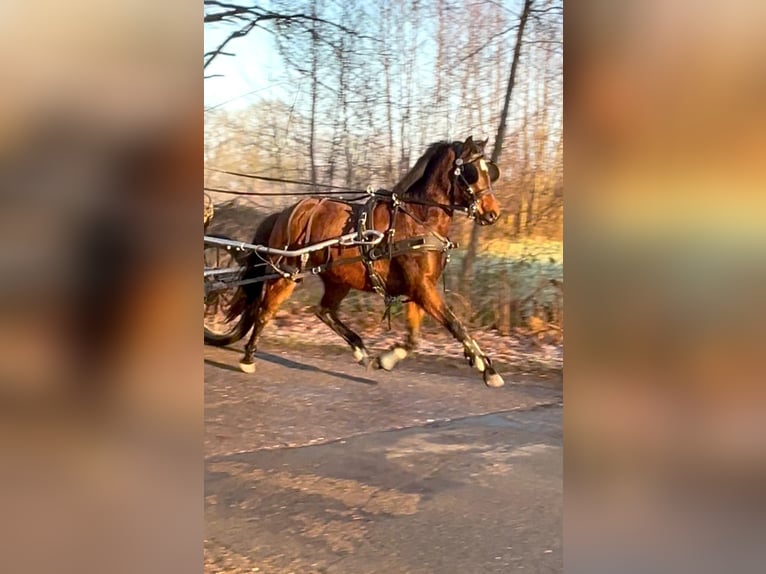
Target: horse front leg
column 390, row 358
column 433, row 304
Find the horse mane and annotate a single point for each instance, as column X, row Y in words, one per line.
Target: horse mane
column 419, row 170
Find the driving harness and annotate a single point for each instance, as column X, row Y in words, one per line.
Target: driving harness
column 389, row 248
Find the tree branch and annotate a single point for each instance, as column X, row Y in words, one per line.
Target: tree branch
column 243, row 31
column 485, row 44
column 252, row 16
column 557, row 9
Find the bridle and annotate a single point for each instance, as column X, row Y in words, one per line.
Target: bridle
column 459, row 182
column 458, row 177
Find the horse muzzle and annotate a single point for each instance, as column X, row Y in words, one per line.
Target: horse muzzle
column 488, row 218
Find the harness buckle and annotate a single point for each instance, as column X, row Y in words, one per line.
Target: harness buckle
column 362, row 225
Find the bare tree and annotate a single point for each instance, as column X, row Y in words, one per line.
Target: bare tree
column 470, row 256
column 248, row 18
column 314, row 94
column 370, row 85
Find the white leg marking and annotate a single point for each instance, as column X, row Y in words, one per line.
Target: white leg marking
column 400, row 352
column 389, row 359
column 473, row 348
column 359, row 354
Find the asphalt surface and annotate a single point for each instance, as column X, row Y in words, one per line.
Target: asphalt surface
column 314, row 465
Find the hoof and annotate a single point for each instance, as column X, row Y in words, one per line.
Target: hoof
column 247, row 367
column 362, row 358
column 493, row 379
column 388, row 360
column 360, row 355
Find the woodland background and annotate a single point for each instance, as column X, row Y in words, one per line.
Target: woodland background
column 356, row 92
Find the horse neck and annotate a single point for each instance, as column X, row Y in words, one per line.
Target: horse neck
column 434, row 189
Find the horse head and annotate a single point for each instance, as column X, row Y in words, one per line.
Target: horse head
column 472, row 182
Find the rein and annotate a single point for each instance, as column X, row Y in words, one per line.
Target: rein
column 448, row 208
column 340, row 188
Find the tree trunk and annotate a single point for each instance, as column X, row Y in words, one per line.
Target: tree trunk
column 542, row 137
column 343, row 98
column 438, row 96
column 521, row 193
column 405, row 88
column 385, row 27
column 470, row 256
column 389, row 120
column 314, row 89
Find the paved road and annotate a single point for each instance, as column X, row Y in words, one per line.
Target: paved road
column 315, row 465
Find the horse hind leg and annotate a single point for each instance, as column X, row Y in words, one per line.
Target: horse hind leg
column 389, row 359
column 328, row 314
column 275, row 293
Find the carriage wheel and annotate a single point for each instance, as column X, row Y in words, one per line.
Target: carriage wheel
column 219, row 331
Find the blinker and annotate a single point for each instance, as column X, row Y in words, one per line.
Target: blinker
column 494, row 171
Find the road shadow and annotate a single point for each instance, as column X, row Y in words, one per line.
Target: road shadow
column 290, row 364
column 223, row 366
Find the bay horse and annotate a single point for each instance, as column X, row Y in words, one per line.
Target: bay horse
column 416, row 217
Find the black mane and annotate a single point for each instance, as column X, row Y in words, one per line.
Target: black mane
column 424, row 167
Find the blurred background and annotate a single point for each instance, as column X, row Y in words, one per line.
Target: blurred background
column 100, row 172
column 352, row 93
column 664, row 385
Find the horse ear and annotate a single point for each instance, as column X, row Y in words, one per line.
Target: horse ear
column 469, row 142
column 484, row 143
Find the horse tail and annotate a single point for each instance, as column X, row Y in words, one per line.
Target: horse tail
column 247, row 299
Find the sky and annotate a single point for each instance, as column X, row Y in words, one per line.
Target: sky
column 256, row 72
column 257, row 65
column 255, row 68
